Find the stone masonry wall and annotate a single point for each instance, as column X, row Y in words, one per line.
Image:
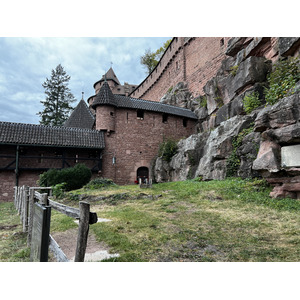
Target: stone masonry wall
column 136, row 141
column 195, row 60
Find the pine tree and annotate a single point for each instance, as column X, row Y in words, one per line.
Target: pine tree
column 57, row 104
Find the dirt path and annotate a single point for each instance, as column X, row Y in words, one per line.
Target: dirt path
column 95, row 251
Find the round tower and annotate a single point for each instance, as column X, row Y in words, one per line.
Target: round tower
column 104, row 104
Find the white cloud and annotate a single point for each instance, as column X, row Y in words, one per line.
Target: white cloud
column 26, row 63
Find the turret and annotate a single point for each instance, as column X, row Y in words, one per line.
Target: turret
column 104, row 105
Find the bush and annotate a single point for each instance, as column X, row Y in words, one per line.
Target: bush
column 167, row 149
column 282, row 79
column 251, row 102
column 99, row 183
column 74, row 178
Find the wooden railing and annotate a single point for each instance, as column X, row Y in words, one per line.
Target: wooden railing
column 24, row 200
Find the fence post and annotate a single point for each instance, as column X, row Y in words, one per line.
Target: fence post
column 25, row 207
column 30, row 221
column 83, row 231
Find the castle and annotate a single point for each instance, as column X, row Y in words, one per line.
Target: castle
column 118, row 133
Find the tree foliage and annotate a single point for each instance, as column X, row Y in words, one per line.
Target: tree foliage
column 150, row 59
column 57, row 104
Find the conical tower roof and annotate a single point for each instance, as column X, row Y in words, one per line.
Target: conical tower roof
column 81, row 117
column 109, row 75
column 104, row 97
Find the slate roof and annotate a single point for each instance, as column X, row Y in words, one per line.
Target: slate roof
column 40, row 135
column 81, row 117
column 110, row 75
column 106, row 97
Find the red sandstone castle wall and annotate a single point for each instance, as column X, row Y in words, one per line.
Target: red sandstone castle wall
column 135, row 142
column 194, row 60
column 30, row 177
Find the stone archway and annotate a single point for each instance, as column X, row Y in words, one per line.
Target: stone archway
column 143, row 173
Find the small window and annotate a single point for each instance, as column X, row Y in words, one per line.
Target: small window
column 76, row 159
column 112, row 113
column 140, row 114
column 165, row 118
column 184, row 122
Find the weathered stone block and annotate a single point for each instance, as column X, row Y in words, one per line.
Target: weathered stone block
column 268, row 157
column 290, row 156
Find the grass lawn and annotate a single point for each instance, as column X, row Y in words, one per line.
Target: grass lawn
column 232, row 220
column 13, row 242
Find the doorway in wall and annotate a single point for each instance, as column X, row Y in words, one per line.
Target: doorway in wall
column 143, row 173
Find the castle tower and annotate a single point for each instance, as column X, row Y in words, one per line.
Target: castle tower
column 104, row 105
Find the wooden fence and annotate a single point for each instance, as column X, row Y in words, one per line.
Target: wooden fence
column 24, row 200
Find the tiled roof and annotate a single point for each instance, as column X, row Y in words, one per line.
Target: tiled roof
column 110, row 75
column 40, row 135
column 106, row 97
column 81, row 117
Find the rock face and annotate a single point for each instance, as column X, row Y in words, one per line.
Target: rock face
column 223, row 121
column 178, row 96
column 279, row 125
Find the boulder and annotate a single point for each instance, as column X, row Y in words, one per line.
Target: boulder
column 268, row 157
column 161, row 170
column 284, row 113
column 285, row 135
column 252, row 70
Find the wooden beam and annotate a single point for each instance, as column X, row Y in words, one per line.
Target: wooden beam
column 67, row 210
column 57, row 251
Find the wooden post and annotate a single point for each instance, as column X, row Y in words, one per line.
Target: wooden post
column 83, row 231
column 30, row 221
column 25, row 208
column 44, row 199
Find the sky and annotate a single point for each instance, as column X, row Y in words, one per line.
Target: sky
column 89, row 37
column 26, row 62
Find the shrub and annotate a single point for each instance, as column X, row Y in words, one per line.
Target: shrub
column 99, row 183
column 233, row 70
column 167, row 149
column 251, row 102
column 282, row 79
column 59, row 190
column 74, row 178
column 233, row 161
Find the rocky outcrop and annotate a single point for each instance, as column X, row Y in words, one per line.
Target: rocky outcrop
column 223, row 121
column 205, row 154
column 280, row 127
column 178, row 95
